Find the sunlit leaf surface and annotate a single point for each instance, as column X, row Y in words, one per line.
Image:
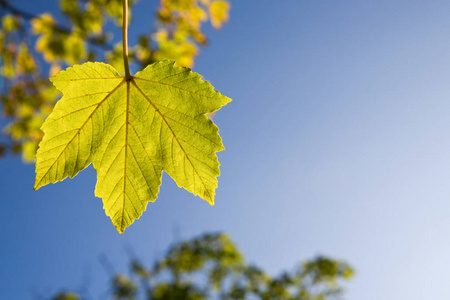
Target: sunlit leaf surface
column 132, row 130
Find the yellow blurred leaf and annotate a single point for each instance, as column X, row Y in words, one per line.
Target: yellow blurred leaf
column 219, row 11
column 25, row 61
column 75, row 49
column 8, row 70
column 161, row 35
column 29, row 149
column 10, row 23
column 54, row 68
column 43, row 24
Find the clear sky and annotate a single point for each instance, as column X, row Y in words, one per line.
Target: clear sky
column 338, row 143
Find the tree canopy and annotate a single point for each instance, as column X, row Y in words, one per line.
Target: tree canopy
column 212, row 267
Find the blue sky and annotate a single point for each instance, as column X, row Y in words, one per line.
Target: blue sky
column 337, row 144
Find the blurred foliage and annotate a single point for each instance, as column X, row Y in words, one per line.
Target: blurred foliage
column 211, row 267
column 34, row 47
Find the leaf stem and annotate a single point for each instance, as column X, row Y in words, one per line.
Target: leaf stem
column 125, row 40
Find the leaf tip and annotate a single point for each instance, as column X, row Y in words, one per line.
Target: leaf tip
column 209, row 199
column 37, row 185
column 227, row 99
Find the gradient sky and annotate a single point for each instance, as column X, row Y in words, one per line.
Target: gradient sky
column 337, row 144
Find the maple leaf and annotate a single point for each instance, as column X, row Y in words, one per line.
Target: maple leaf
column 132, row 130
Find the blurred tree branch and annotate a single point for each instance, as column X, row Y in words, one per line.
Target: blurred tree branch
column 59, row 28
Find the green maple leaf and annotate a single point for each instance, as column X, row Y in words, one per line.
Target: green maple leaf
column 132, row 130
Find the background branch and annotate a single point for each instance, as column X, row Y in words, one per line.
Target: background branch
column 95, row 41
